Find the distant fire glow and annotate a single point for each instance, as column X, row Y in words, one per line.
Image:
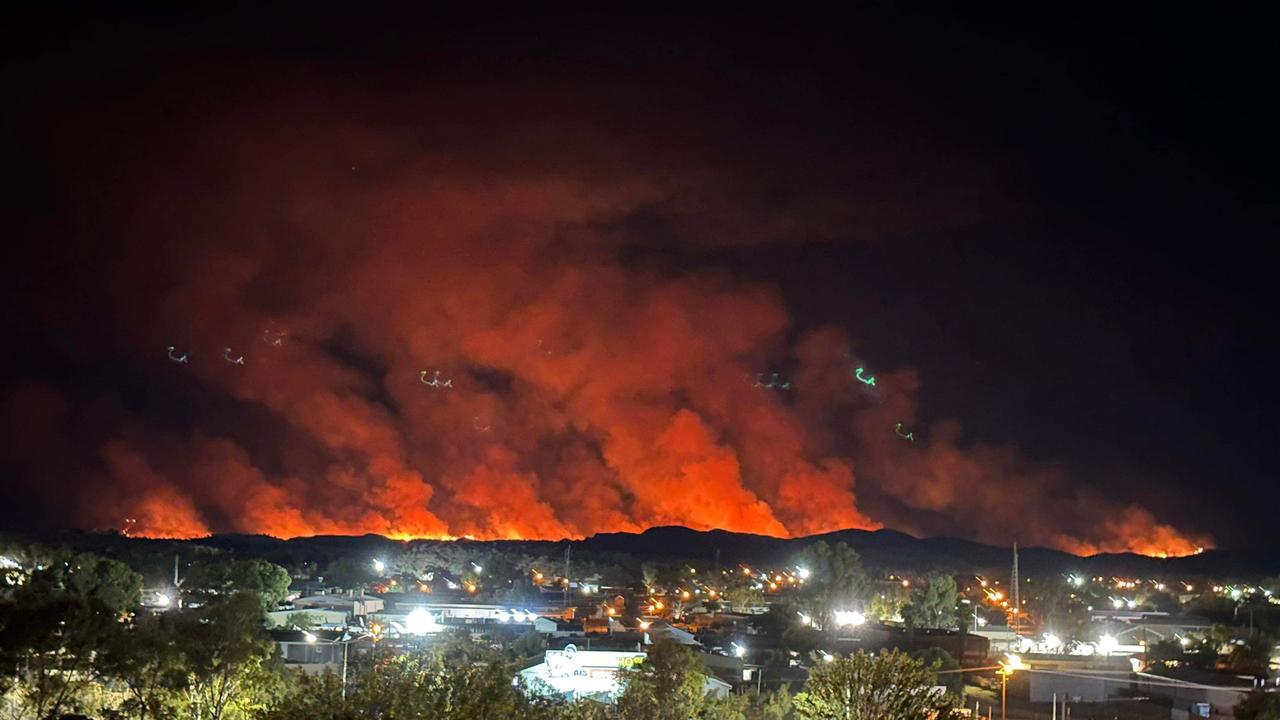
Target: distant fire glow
column 458, row 341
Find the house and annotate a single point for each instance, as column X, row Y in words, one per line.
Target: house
column 659, row 631
column 555, row 627
column 319, row 650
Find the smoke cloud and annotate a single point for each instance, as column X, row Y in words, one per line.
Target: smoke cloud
column 544, row 252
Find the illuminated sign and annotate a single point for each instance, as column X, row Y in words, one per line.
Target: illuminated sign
column 572, row 663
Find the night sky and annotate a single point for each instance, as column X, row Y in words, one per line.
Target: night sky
column 1044, row 231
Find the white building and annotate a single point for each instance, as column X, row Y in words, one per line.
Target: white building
column 353, row 605
column 593, row 674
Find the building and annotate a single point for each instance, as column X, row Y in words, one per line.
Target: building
column 659, row 631
column 319, row 617
column 555, row 627
column 319, row 650
column 451, row 612
column 590, row 674
column 350, row 603
column 1156, row 628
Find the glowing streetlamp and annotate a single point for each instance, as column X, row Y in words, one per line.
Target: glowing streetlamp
column 1107, row 645
column 1011, row 664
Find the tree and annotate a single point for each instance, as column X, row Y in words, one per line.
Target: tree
column 1259, row 705
column 649, row 574
column 772, row 706
column 740, row 592
column 936, row 659
column 418, row 687
column 933, row 606
column 836, row 581
column 669, row 685
column 146, row 661
column 1165, row 652
column 47, row 647
column 232, row 664
column 109, row 583
column 53, row 625
column 891, row 686
column 530, row 644
column 887, row 604
column 1252, row 657
column 222, row 577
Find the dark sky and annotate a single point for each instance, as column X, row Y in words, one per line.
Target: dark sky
column 1053, row 220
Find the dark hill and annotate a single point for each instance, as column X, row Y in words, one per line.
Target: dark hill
column 882, row 549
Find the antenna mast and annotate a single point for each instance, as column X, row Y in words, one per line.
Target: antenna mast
column 1017, row 604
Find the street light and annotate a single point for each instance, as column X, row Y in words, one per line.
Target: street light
column 312, row 639
column 1107, row 645
column 1012, row 663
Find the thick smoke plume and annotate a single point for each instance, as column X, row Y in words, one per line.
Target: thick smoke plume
column 505, row 239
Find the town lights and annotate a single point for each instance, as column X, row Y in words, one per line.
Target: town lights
column 1051, row 640
column 803, row 572
column 738, row 650
column 379, row 566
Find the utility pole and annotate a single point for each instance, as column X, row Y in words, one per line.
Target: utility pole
column 1017, row 605
column 568, row 553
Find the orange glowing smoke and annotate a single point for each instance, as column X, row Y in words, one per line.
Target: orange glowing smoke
column 591, row 391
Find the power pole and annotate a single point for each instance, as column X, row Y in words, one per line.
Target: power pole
column 1017, row 605
column 568, row 553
